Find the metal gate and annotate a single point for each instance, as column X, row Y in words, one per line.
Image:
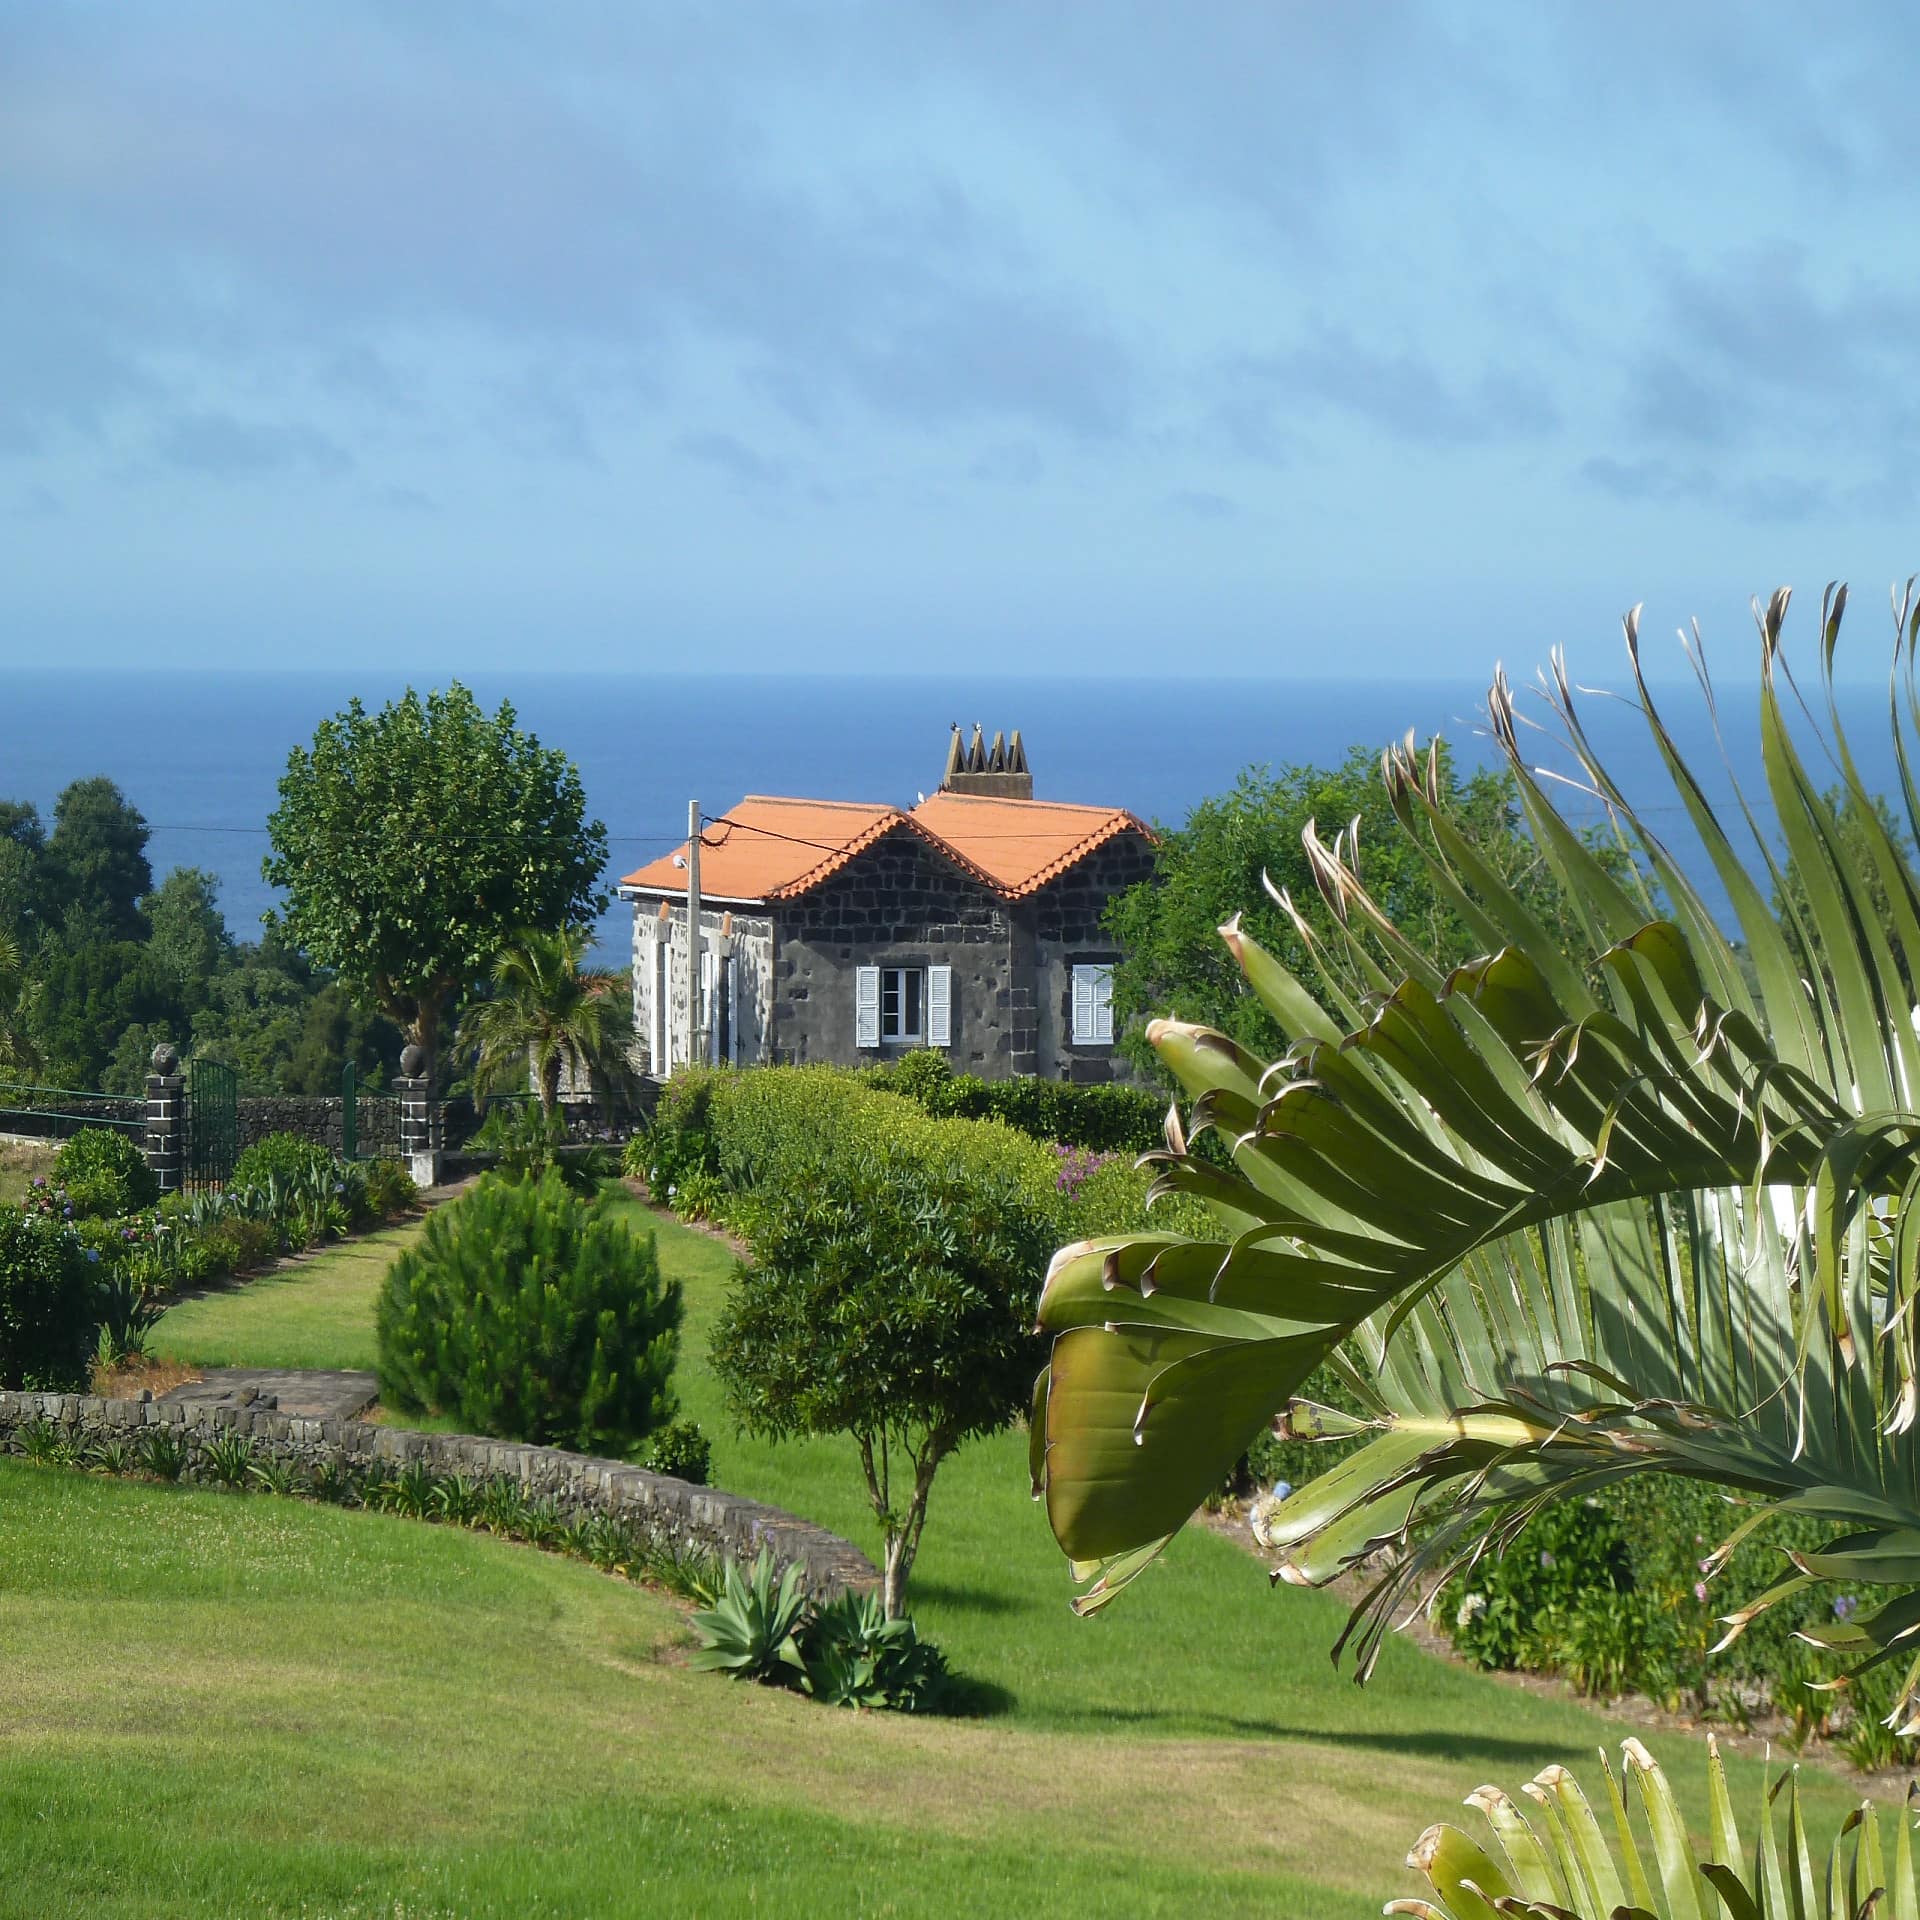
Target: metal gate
column 213, row 1123
column 349, row 1113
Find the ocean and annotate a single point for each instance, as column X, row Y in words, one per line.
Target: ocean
column 200, row 753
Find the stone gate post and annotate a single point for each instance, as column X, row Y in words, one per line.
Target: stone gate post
column 419, row 1117
column 166, row 1139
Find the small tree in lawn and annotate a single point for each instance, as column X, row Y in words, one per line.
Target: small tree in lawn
column 891, row 1298
column 413, row 843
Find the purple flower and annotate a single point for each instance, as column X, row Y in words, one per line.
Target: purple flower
column 1546, row 1559
column 1700, row 1591
column 1845, row 1607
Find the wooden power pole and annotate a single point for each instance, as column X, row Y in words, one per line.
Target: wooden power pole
column 693, row 933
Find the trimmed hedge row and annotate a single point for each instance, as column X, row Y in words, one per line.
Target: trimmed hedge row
column 720, row 1136
column 1108, row 1118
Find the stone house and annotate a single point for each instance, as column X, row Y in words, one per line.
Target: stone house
column 848, row 932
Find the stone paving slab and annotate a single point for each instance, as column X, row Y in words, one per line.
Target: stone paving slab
column 303, row 1394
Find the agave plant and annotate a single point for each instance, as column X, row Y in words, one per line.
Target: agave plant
column 1574, row 1874
column 1559, row 1218
column 750, row 1630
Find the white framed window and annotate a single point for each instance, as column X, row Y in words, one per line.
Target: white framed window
column 1093, row 1004
column 903, row 1006
column 662, row 986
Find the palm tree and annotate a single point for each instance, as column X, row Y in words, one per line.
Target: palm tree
column 17, row 1053
column 1558, row 1223
column 545, row 1016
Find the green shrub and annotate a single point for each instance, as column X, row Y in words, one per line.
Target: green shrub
column 47, row 1304
column 286, row 1155
column 681, row 1451
column 233, row 1245
column 1108, row 1117
column 104, row 1173
column 390, row 1189
column 527, row 1314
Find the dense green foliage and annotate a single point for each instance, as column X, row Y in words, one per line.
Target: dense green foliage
column 47, row 1304
column 1111, row 1118
column 1216, row 865
column 98, row 965
column 681, row 1450
column 415, row 843
column 285, row 1156
column 528, row 1314
column 105, row 1173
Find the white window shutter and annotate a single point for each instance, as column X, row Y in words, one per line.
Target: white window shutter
column 1103, row 1006
column 866, row 1007
column 657, row 1012
column 939, row 1006
column 733, row 1010
column 1082, row 1005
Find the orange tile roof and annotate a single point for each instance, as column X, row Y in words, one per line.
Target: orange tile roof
column 767, row 847
column 772, row 848
column 1022, row 844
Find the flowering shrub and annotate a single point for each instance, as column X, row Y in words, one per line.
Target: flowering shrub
column 47, row 1302
column 1075, row 1164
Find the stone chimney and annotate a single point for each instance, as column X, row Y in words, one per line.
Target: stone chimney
column 999, row 771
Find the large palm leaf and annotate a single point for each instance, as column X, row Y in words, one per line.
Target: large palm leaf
column 1653, row 1208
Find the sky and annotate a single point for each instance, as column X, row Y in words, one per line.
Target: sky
column 1209, row 340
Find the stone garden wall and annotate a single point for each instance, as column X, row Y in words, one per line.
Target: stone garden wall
column 669, row 1512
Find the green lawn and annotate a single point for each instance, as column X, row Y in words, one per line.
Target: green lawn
column 315, row 1313
column 311, row 1711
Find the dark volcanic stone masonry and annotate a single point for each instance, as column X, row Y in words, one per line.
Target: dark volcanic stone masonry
column 670, row 1512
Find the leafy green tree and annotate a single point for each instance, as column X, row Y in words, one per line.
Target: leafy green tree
column 23, row 846
column 544, row 1015
column 1212, row 868
column 84, row 998
column 889, row 1298
column 96, row 863
column 332, row 1032
column 412, row 844
column 1561, row 1224
column 189, row 940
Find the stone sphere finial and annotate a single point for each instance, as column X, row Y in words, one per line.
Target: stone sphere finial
column 413, row 1060
column 166, row 1060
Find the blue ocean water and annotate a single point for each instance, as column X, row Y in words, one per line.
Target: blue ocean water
column 200, row 754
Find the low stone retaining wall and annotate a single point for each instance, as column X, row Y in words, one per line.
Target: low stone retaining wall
column 669, row 1512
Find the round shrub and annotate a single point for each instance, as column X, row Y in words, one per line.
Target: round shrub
column 47, row 1306
column 390, row 1189
column 285, row 1155
column 530, row 1315
column 681, row 1451
column 104, row 1173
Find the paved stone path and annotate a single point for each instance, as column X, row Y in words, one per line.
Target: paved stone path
column 310, row 1394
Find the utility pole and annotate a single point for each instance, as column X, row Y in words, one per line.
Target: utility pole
column 693, row 933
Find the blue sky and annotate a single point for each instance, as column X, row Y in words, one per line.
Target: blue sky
column 1210, row 339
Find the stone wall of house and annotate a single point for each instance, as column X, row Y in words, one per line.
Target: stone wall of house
column 751, row 947
column 899, row 903
column 1065, row 918
column 668, row 1512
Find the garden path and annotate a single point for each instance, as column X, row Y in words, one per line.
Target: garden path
column 307, row 1393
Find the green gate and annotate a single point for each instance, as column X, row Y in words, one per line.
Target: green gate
column 213, row 1124
column 349, row 1113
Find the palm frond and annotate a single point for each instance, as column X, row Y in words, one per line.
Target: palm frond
column 1648, row 1208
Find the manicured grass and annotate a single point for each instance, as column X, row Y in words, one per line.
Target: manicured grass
column 1190, row 1745
column 315, row 1313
